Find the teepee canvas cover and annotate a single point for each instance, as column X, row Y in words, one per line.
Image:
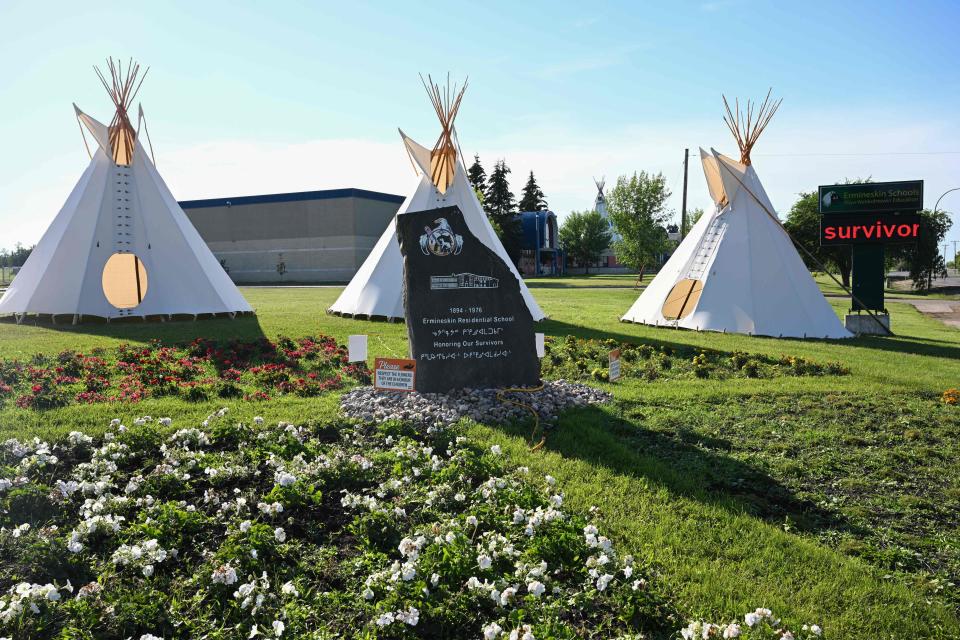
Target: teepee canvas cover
column 376, row 291
column 121, row 246
column 737, row 271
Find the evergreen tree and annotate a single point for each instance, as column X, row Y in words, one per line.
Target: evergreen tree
column 476, row 175
column 532, row 196
column 498, row 200
column 501, row 209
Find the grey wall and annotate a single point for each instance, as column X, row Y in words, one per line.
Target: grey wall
column 317, row 240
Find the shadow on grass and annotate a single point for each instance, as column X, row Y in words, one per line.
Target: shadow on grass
column 912, row 345
column 558, row 328
column 242, row 327
column 897, row 344
column 684, row 463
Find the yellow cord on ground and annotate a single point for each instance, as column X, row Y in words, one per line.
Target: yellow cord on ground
column 536, row 416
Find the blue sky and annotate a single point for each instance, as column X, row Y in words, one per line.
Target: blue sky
column 251, row 98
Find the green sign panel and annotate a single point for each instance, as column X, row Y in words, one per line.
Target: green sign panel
column 872, row 197
column 868, row 277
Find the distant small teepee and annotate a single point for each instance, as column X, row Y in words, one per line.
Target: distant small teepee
column 376, row 291
column 600, row 206
column 121, row 246
column 737, row 270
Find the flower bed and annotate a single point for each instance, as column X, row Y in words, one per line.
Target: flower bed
column 237, row 531
column 577, row 359
column 204, row 369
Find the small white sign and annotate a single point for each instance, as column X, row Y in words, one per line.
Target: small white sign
column 357, row 348
column 540, row 349
column 614, row 370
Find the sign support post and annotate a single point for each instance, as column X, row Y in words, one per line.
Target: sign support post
column 868, row 271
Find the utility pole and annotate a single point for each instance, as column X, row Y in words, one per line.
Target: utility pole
column 683, row 209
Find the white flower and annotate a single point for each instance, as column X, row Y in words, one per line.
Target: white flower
column 751, row 619
column 434, row 579
column 224, row 574
column 166, row 422
column 816, row 630
column 150, row 636
column 472, row 521
column 459, row 497
column 284, row 478
column 245, row 526
column 288, row 589
column 523, row 633
column 507, row 595
column 492, row 631
column 484, row 561
column 368, row 594
column 411, row 616
column 536, row 588
column 556, row 500
column 732, row 630
column 496, row 450
column 278, row 627
column 257, row 420
column 603, row 581
column 279, row 534
column 409, row 548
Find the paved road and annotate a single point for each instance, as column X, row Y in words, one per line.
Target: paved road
column 947, row 311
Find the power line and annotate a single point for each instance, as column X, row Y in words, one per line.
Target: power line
column 880, row 153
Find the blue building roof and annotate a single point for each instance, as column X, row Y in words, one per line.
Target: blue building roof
column 533, row 221
column 296, row 196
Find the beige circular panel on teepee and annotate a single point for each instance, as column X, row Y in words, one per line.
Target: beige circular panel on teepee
column 124, row 280
column 682, row 299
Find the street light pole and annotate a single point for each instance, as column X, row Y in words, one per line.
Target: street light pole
column 935, row 213
column 941, row 198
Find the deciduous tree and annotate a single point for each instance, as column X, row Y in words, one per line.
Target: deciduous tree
column 803, row 223
column 584, row 235
column 637, row 205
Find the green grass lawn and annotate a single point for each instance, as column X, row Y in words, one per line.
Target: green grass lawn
column 830, row 499
column 830, row 287
column 614, row 280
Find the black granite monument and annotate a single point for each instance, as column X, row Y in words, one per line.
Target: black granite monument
column 468, row 323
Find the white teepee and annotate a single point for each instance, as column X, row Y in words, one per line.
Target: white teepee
column 737, row 271
column 376, row 291
column 121, row 246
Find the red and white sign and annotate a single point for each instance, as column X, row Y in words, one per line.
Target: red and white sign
column 394, row 374
column 614, row 370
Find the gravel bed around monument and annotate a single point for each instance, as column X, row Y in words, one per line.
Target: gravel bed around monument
column 483, row 405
